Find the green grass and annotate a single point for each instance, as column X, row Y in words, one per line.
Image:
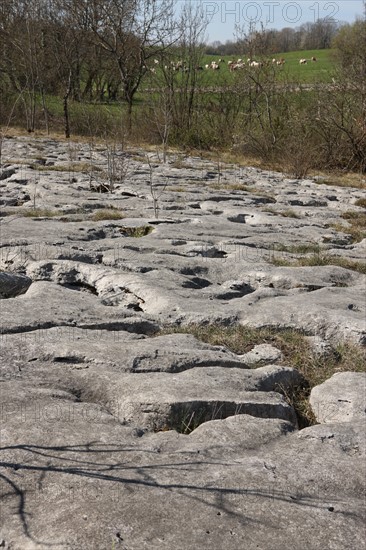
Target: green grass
column 95, row 119
column 321, row 71
column 313, row 72
column 296, row 351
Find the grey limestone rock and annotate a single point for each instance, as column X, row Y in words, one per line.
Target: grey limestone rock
column 117, row 432
column 341, row 398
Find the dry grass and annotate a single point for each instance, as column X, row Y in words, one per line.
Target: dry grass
column 284, row 213
column 356, row 233
column 243, row 187
column 82, row 167
column 236, row 187
column 320, row 259
column 39, row 213
column 178, row 189
column 305, row 248
column 355, row 218
column 297, row 353
column 340, row 179
column 361, row 202
column 106, row 214
column 356, row 227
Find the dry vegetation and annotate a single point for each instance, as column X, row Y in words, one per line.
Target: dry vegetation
column 288, row 213
column 320, row 258
column 107, row 214
column 39, row 213
column 361, row 202
column 356, row 225
column 340, row 179
column 297, row 353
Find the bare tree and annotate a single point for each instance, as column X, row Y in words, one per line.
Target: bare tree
column 131, row 32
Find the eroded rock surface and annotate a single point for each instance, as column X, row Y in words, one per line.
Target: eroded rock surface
column 342, row 398
column 115, row 435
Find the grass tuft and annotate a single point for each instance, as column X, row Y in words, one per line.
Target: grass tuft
column 284, row 213
column 40, row 213
column 317, row 259
column 361, row 202
column 298, row 248
column 107, row 214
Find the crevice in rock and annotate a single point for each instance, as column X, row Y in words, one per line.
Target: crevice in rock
column 196, row 283
column 236, row 291
column 186, row 417
column 81, row 287
column 240, row 218
column 69, row 359
column 198, row 270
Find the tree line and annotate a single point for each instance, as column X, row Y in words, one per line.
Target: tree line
column 91, row 52
column 318, row 35
column 83, row 50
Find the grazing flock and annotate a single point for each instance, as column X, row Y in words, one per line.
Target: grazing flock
column 232, row 64
column 305, row 61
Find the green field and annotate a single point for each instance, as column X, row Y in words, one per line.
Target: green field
column 292, row 71
column 313, row 72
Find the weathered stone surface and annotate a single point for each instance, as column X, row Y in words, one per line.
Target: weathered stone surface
column 342, row 398
column 91, row 390
column 262, row 354
column 157, row 401
column 68, row 463
column 129, row 351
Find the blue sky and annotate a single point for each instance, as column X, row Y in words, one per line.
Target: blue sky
column 225, row 14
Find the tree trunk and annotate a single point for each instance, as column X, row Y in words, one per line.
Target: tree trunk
column 66, row 107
